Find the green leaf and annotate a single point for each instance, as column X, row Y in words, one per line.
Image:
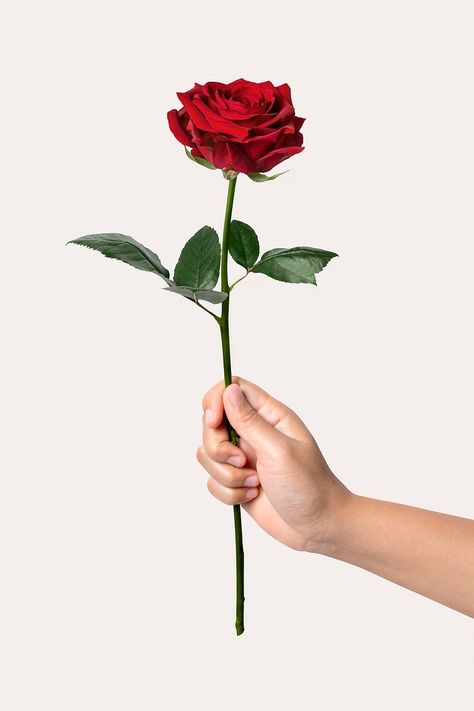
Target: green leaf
column 262, row 178
column 201, row 161
column 198, row 264
column 214, row 297
column 243, row 244
column 295, row 264
column 126, row 249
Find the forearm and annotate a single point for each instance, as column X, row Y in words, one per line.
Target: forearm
column 425, row 551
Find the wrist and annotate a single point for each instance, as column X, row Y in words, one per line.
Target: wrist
column 334, row 526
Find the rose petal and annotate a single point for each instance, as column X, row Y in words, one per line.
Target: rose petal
column 231, row 156
column 176, row 127
column 247, row 119
column 259, row 146
column 219, row 124
column 194, row 114
column 285, row 114
column 277, row 156
column 298, row 122
column 285, row 91
column 205, row 151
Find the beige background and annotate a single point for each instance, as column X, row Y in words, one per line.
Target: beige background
column 117, row 566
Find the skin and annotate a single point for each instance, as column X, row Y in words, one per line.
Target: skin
column 280, row 477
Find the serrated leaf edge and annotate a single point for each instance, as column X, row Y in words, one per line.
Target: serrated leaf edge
column 184, row 247
column 244, row 266
column 135, row 244
column 266, row 257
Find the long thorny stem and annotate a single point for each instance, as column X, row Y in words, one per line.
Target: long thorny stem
column 224, row 328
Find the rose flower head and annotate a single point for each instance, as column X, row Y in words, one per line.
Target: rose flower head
column 244, row 126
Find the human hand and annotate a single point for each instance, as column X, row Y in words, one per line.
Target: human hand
column 277, row 473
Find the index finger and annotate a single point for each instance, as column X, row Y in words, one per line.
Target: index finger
column 212, row 403
column 276, row 413
column 217, row 446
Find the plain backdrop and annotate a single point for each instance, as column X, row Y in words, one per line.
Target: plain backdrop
column 117, row 566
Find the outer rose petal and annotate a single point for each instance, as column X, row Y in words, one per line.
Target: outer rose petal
column 259, row 146
column 197, row 153
column 285, row 114
column 285, row 91
column 177, row 129
column 229, row 155
column 298, row 122
column 204, row 151
column 277, row 156
column 194, row 114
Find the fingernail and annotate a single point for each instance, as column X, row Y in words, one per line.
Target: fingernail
column 209, row 416
column 235, row 460
column 236, row 395
column 251, row 493
column 251, row 480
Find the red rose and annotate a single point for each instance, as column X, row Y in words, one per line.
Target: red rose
column 245, row 126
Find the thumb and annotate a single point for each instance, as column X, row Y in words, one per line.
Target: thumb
column 249, row 423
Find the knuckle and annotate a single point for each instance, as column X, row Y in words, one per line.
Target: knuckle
column 250, row 417
column 221, row 451
column 213, row 451
column 230, row 477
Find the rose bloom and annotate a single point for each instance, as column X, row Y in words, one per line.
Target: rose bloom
column 244, row 126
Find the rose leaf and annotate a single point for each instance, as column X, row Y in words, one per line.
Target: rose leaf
column 198, row 264
column 214, row 297
column 294, row 265
column 243, row 244
column 126, row 249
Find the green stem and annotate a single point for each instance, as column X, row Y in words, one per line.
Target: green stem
column 224, row 327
